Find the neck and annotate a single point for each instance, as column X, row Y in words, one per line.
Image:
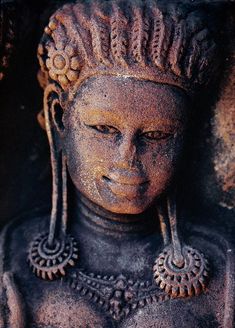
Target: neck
column 114, row 243
column 94, row 216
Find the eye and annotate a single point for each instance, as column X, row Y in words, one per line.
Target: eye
column 105, row 129
column 157, row 135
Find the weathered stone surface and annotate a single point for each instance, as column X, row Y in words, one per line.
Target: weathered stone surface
column 128, row 91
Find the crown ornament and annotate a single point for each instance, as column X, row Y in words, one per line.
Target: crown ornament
column 63, row 64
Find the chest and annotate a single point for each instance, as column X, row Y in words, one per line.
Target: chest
column 105, row 302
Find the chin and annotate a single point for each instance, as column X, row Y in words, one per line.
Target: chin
column 125, row 207
column 130, row 211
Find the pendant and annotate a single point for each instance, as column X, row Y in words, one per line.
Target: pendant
column 186, row 281
column 50, row 263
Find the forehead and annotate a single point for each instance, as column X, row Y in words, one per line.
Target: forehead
column 129, row 97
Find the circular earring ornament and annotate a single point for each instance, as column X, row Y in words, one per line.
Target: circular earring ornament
column 50, row 262
column 188, row 280
column 179, row 270
column 51, row 254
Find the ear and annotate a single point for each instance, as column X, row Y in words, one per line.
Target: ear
column 57, row 115
column 53, row 113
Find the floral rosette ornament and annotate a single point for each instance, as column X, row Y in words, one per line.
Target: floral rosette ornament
column 62, row 64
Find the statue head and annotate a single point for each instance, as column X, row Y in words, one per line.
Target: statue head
column 121, row 76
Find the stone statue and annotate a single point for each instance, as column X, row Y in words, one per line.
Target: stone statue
column 120, row 80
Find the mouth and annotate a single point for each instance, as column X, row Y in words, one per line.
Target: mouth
column 127, row 187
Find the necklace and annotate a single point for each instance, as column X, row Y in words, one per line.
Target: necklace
column 118, row 295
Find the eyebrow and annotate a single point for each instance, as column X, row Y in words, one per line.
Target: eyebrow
column 100, row 113
column 163, row 121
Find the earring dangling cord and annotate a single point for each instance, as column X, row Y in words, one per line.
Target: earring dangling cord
column 163, row 226
column 49, row 258
column 55, row 172
column 177, row 275
column 64, row 196
column 178, row 258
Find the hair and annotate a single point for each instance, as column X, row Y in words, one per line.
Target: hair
column 152, row 40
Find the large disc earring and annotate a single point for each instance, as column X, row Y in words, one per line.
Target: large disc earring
column 179, row 270
column 50, row 254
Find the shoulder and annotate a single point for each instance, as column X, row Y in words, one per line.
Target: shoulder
column 215, row 245
column 14, row 240
column 219, row 250
column 211, row 239
column 16, row 237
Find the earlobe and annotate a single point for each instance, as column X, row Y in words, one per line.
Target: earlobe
column 53, row 111
column 57, row 116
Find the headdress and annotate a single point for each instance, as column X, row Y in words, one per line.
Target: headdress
column 150, row 40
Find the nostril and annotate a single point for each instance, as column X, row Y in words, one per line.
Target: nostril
column 106, row 178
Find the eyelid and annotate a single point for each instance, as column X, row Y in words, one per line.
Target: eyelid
column 160, row 135
column 96, row 127
column 163, row 129
column 91, row 124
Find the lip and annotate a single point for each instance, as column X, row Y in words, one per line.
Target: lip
column 129, row 178
column 126, row 187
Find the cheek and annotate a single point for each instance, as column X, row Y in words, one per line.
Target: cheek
column 162, row 161
column 88, row 155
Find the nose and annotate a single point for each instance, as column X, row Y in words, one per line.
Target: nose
column 127, row 152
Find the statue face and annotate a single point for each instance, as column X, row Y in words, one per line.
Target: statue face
column 123, row 139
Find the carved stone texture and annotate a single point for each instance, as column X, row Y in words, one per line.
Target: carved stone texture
column 7, row 33
column 50, row 263
column 120, row 81
column 116, row 295
column 186, row 281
